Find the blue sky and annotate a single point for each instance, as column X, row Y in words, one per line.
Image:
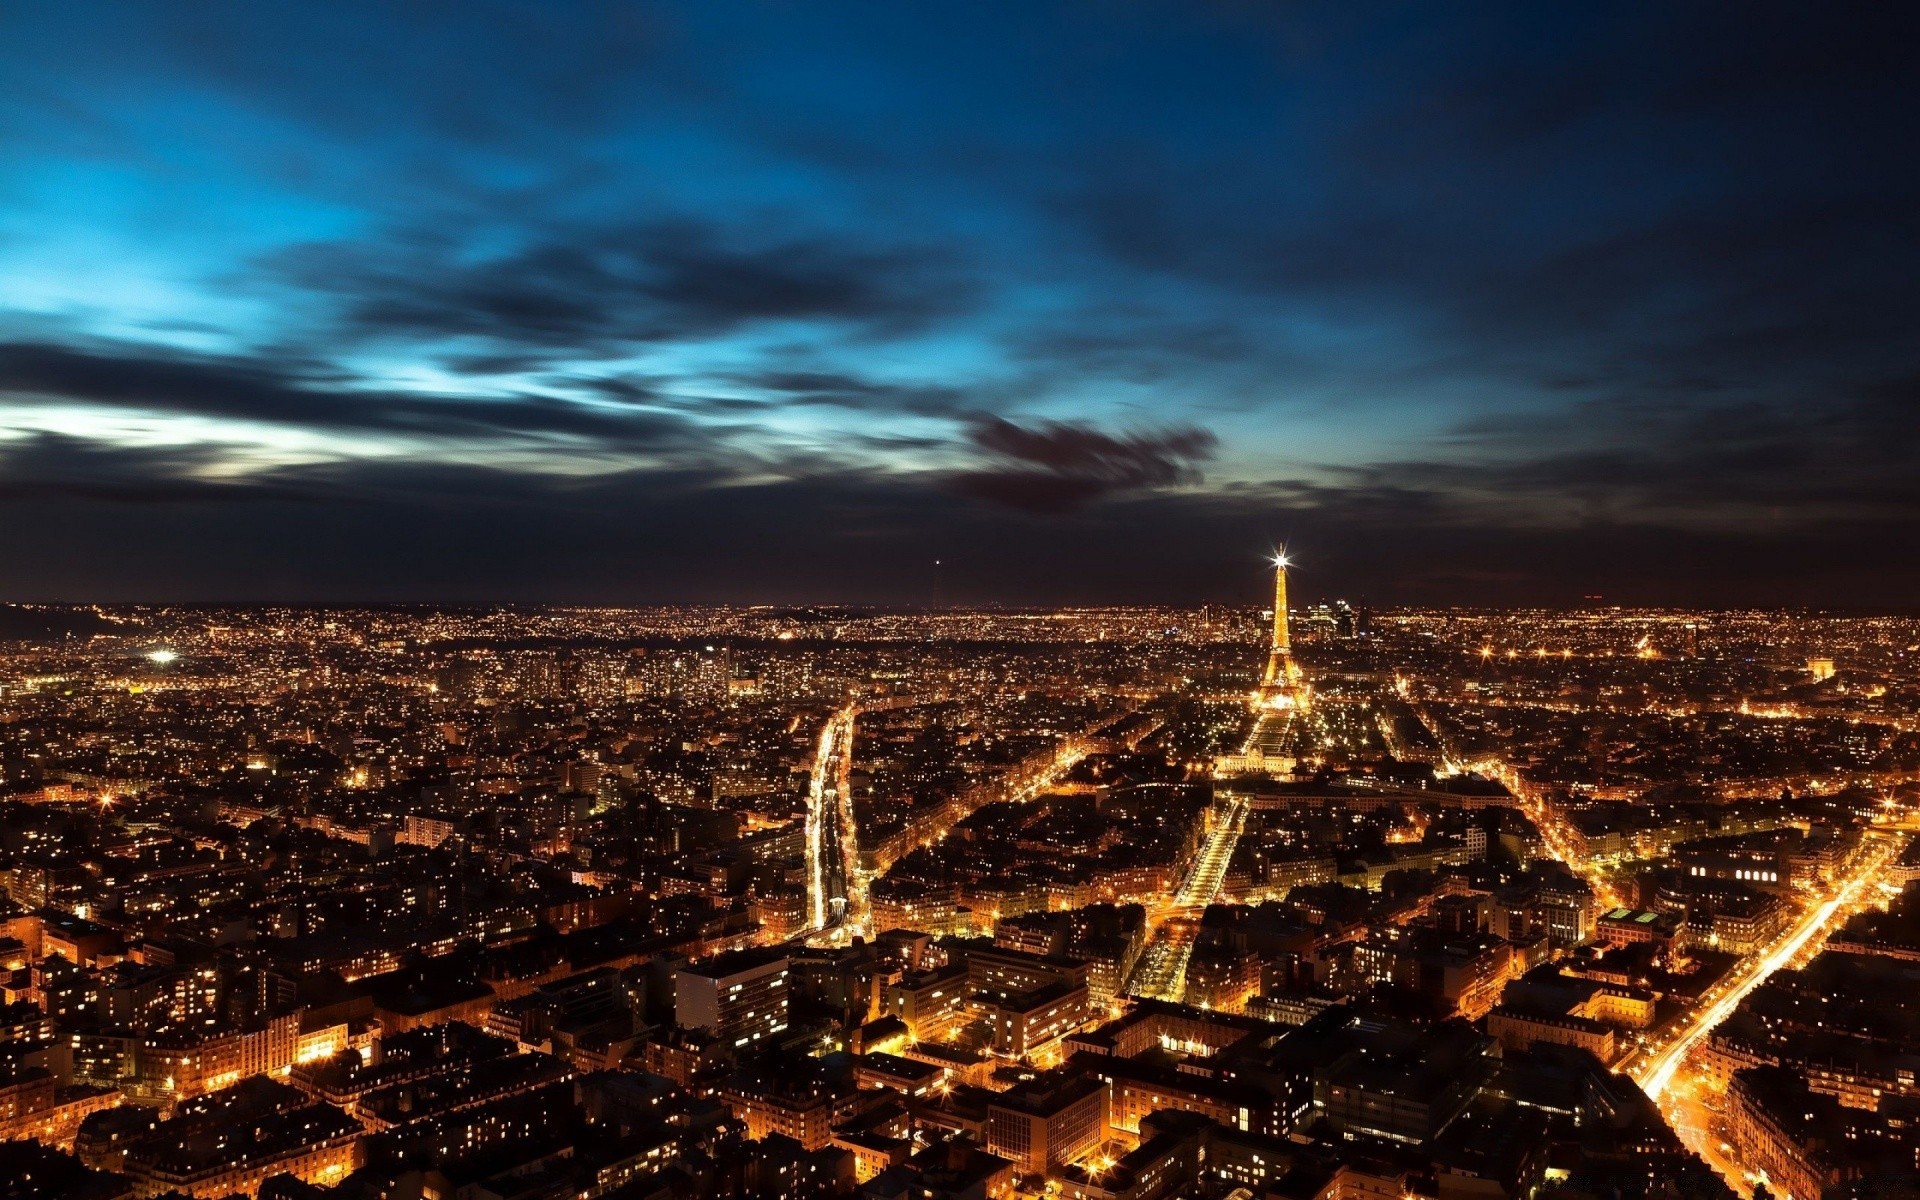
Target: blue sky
column 1506, row 303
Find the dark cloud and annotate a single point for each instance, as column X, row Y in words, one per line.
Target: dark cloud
column 1057, row 466
column 1702, row 465
column 414, row 531
column 300, row 394
column 1771, row 300
column 51, row 466
column 582, row 291
column 1660, row 199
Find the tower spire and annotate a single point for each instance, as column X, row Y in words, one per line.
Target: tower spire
column 1282, row 635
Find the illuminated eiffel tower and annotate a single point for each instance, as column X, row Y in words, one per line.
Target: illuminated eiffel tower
column 1282, row 686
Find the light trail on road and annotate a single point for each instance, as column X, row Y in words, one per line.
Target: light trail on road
column 832, row 837
column 1656, row 1076
column 1657, row 1073
column 1161, row 973
column 832, row 856
column 1210, row 865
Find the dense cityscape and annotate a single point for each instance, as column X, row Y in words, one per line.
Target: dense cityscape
column 1306, row 902
column 1036, row 600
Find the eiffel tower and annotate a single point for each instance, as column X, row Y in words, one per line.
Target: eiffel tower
column 1282, row 685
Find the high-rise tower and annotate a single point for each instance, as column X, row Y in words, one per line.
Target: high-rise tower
column 1282, row 635
column 1280, row 687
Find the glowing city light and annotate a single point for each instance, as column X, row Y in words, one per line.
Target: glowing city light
column 815, row 767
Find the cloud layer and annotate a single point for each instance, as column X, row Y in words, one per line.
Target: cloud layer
column 1521, row 303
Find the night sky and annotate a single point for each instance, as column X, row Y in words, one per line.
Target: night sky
column 962, row 303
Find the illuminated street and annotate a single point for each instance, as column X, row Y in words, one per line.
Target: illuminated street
column 833, row 881
column 1161, row 972
column 1656, row 1070
column 1557, row 836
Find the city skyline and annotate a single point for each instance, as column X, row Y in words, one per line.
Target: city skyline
column 1021, row 304
column 1121, row 903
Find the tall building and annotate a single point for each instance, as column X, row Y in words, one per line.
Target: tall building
column 1282, row 649
column 741, row 996
column 1281, row 687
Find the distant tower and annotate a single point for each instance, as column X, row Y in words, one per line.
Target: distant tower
column 1282, row 636
column 1280, row 653
column 1278, row 688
